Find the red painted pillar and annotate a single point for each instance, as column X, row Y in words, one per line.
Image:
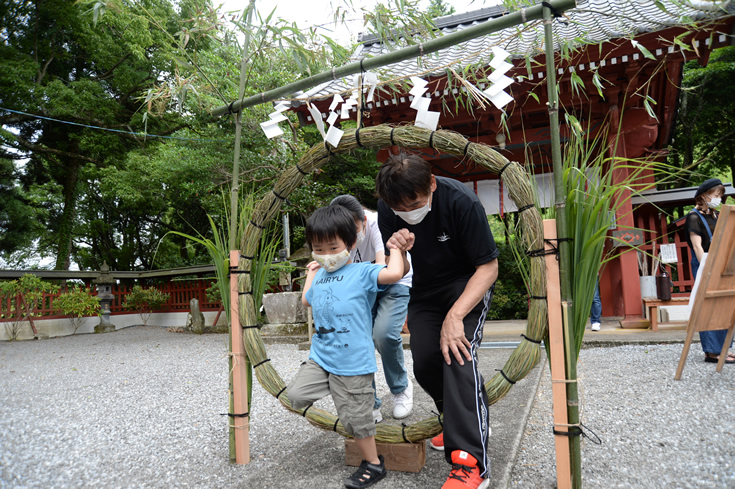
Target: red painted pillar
column 624, row 287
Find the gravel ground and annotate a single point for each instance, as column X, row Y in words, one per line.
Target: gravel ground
column 141, row 408
column 655, row 431
column 137, row 408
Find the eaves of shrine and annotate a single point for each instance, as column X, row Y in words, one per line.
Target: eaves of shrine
column 634, row 48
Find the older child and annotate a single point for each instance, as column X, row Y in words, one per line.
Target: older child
column 342, row 357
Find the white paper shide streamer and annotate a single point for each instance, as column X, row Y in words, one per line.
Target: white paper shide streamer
column 270, row 127
column 424, row 117
column 495, row 93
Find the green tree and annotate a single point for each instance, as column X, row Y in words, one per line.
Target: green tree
column 704, row 140
column 60, row 65
column 16, row 214
column 439, row 8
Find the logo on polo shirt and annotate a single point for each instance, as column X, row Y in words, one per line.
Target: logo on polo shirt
column 444, row 237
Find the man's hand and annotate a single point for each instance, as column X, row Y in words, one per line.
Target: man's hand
column 313, row 266
column 453, row 340
column 401, row 239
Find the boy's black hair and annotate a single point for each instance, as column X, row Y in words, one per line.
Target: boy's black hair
column 403, row 177
column 351, row 204
column 327, row 223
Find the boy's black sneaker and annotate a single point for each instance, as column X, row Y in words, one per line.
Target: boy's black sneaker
column 366, row 475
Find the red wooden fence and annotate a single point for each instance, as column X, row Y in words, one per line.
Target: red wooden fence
column 180, row 293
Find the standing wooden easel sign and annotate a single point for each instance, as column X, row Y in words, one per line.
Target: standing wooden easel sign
column 714, row 299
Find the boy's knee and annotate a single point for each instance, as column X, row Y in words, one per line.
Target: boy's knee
column 297, row 397
column 354, row 397
column 358, row 415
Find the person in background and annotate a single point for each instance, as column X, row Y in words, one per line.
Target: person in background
column 699, row 228
column 596, row 309
column 455, row 266
column 342, row 356
column 389, row 312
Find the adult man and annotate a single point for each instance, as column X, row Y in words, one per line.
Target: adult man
column 455, row 266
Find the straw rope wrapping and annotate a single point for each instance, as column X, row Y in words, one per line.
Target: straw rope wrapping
column 515, row 178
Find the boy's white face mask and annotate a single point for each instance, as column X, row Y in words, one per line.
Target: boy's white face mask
column 332, row 263
column 415, row 216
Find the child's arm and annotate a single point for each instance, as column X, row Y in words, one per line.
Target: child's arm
column 403, row 240
column 312, row 268
column 394, row 271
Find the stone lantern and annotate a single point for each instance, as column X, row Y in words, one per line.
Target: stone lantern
column 104, row 292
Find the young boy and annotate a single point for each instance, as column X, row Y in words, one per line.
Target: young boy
column 342, row 357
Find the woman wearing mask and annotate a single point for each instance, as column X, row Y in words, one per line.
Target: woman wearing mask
column 700, row 226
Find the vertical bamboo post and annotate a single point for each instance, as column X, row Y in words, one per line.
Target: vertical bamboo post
column 235, row 192
column 240, row 419
column 556, row 353
column 564, row 248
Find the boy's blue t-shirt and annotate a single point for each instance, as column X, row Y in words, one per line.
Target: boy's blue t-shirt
column 341, row 304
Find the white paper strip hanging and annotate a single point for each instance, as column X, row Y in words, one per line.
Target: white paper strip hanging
column 499, row 52
column 277, row 116
column 500, row 72
column 336, row 101
column 421, row 103
column 332, row 117
column 271, row 129
column 316, row 115
column 503, row 83
column 427, row 119
column 417, row 91
column 501, row 99
column 345, row 112
column 418, row 81
column 334, row 135
column 370, row 80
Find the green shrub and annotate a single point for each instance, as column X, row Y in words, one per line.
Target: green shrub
column 510, row 298
column 78, row 303
column 24, row 295
column 145, row 301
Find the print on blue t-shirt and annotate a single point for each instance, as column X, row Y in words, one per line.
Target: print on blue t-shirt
column 341, row 304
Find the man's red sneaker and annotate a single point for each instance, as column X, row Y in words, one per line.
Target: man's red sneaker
column 437, row 443
column 465, row 473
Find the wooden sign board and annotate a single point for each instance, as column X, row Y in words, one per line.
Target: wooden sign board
column 714, row 301
column 627, row 237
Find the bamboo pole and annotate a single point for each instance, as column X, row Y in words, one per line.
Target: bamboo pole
column 234, row 194
column 240, row 419
column 493, row 25
column 564, row 247
column 238, row 130
column 556, row 361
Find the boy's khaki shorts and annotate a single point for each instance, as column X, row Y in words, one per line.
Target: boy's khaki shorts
column 353, row 396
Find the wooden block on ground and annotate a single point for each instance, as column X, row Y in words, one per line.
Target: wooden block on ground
column 635, row 323
column 403, row 457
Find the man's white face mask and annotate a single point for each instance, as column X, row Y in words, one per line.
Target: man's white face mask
column 415, row 216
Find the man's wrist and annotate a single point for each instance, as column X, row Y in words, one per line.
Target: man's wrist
column 455, row 316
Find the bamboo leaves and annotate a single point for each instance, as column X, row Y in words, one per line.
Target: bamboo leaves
column 640, row 47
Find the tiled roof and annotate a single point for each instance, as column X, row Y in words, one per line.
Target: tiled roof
column 592, row 21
